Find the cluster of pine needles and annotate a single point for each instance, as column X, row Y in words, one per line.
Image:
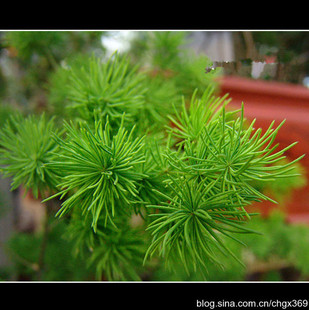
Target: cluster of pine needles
column 189, row 180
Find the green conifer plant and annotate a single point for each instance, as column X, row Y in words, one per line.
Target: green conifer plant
column 189, row 180
column 100, row 168
column 27, row 147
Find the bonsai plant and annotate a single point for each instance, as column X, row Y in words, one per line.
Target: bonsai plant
column 126, row 146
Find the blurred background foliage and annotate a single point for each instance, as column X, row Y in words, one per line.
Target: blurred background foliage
column 33, row 78
column 287, row 50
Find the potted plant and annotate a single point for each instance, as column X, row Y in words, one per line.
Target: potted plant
column 272, row 100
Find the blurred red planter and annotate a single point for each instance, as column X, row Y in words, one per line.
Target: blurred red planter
column 267, row 101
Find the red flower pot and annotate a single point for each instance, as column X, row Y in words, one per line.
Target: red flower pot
column 267, row 101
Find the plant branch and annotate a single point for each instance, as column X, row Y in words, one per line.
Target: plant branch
column 46, row 228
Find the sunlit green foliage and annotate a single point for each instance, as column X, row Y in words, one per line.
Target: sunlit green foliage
column 26, row 150
column 186, row 226
column 214, row 164
column 167, row 55
column 98, row 169
column 109, row 88
column 129, row 144
column 195, row 186
column 278, row 241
